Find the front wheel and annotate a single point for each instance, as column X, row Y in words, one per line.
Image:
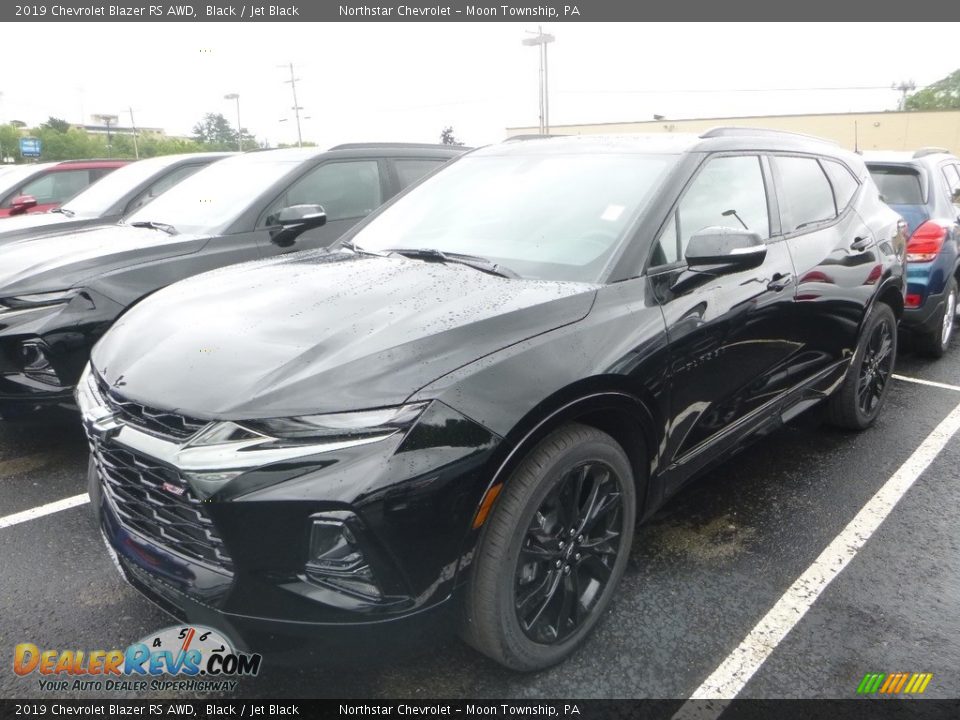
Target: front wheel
column 553, row 550
column 857, row 403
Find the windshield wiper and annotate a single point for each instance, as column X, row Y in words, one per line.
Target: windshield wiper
column 348, row 244
column 477, row 263
column 65, row 211
column 169, row 229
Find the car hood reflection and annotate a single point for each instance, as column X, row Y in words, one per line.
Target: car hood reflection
column 321, row 332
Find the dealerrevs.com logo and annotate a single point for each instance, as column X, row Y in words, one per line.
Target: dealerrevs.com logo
column 202, row 658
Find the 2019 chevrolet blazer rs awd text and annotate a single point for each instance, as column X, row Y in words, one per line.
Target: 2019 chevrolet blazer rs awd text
column 476, row 393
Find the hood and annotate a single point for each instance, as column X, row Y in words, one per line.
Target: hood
column 62, row 261
column 41, row 224
column 321, row 332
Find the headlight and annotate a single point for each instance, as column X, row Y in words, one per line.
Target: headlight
column 24, row 302
column 362, row 425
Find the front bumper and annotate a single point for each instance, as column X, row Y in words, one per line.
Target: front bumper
column 63, row 335
column 412, row 497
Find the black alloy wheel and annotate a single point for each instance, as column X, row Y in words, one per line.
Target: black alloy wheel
column 553, row 549
column 568, row 555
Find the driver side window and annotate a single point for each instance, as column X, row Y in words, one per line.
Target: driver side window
column 346, row 190
column 728, row 192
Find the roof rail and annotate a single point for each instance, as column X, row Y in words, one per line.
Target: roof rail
column 86, row 160
column 375, row 145
column 738, row 131
column 923, row 152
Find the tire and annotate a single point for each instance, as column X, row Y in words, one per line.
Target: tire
column 936, row 342
column 870, row 369
column 531, row 516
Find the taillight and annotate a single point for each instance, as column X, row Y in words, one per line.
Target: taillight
column 926, row 242
column 912, row 300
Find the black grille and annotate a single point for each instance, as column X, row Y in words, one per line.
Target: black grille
column 155, row 502
column 157, row 422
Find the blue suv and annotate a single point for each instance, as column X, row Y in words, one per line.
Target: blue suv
column 924, row 187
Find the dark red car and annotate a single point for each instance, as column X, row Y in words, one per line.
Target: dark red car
column 45, row 186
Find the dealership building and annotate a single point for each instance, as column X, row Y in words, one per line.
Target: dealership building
column 864, row 131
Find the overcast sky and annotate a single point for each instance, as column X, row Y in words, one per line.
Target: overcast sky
column 406, row 81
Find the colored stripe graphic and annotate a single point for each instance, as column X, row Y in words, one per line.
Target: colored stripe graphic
column 894, row 683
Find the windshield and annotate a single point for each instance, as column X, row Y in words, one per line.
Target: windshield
column 547, row 217
column 206, row 202
column 103, row 194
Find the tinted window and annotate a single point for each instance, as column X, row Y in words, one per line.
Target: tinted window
column 844, row 183
column 952, row 174
column 898, row 185
column 728, row 192
column 346, row 190
column 805, row 194
column 544, row 216
column 409, row 171
column 58, row 186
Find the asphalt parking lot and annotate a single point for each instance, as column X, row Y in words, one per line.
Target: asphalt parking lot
column 702, row 573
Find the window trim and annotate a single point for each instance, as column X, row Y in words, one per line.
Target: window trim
column 651, row 270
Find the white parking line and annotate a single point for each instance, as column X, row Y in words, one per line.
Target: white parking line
column 48, row 509
column 929, row 383
column 726, row 682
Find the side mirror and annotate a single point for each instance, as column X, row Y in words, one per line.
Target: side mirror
column 295, row 220
column 22, row 203
column 723, row 250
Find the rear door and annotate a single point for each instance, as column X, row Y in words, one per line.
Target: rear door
column 730, row 335
column 348, row 190
column 834, row 253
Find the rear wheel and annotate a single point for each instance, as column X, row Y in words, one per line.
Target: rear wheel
column 857, row 403
column 553, row 550
column 936, row 342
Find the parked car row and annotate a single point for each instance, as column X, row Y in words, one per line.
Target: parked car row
column 453, row 383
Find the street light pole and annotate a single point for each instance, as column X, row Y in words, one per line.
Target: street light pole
column 236, row 96
column 541, row 40
column 296, row 105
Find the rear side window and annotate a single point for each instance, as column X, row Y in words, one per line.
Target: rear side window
column 409, row 171
column 844, row 183
column 806, row 197
column 898, row 185
column 952, row 174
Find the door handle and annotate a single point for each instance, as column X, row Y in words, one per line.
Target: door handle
column 780, row 282
column 860, row 244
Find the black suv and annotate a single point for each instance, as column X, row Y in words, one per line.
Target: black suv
column 59, row 293
column 477, row 392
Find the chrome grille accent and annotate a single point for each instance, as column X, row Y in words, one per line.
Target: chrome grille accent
column 162, row 423
column 134, row 486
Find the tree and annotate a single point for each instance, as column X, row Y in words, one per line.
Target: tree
column 215, row 132
column 941, row 95
column 56, row 124
column 448, row 138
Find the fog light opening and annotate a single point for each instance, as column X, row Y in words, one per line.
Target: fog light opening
column 33, row 360
column 335, row 560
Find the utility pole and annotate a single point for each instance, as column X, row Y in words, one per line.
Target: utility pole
column 133, row 127
column 904, row 87
column 296, row 105
column 541, row 40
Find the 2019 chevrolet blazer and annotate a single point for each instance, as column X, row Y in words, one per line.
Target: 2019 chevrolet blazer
column 470, row 399
column 59, row 293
